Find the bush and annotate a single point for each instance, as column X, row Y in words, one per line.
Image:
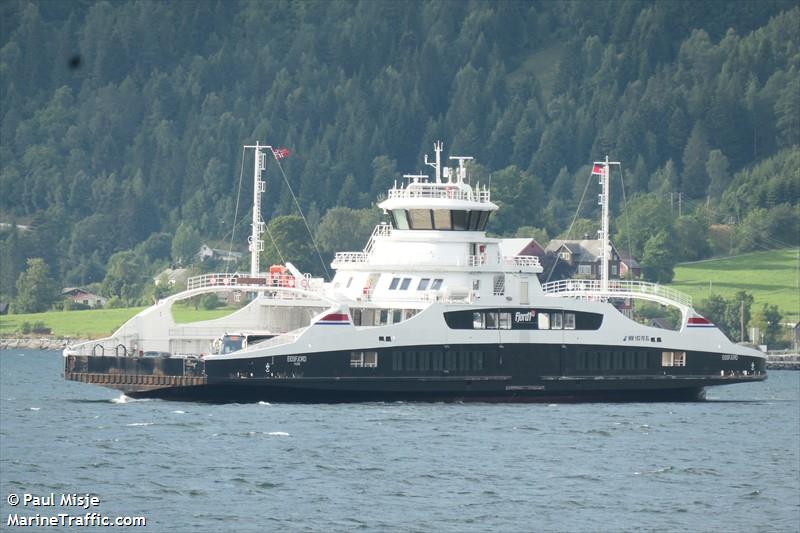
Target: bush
column 25, row 328
column 115, row 302
column 210, row 301
column 40, row 328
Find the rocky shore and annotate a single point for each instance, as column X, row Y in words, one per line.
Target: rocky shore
column 37, row 343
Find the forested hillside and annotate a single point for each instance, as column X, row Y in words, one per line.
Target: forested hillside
column 122, row 122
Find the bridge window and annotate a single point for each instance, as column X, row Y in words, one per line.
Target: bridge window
column 569, row 320
column 437, row 284
column 405, row 283
column 423, row 284
column 460, row 220
column 441, row 219
column 400, row 219
column 556, row 321
column 394, row 283
column 478, row 321
column 420, row 219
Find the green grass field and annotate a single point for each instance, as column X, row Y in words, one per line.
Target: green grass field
column 91, row 323
column 95, row 323
column 771, row 277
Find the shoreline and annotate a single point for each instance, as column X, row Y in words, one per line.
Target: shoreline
column 38, row 343
column 774, row 361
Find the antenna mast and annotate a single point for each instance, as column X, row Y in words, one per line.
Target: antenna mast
column 256, row 244
column 603, row 233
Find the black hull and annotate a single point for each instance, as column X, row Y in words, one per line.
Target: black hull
column 252, row 393
column 464, row 373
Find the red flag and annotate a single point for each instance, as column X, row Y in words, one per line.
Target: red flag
column 280, row 153
column 598, row 169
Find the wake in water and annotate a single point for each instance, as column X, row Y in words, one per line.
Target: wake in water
column 127, row 399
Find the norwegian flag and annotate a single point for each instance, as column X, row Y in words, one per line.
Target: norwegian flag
column 280, row 153
column 598, row 170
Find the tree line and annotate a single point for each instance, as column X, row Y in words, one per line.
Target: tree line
column 123, row 122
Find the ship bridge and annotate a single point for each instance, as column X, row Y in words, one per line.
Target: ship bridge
column 446, row 203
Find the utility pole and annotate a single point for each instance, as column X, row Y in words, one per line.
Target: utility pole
column 741, row 321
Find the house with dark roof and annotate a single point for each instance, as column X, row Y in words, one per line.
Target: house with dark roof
column 583, row 259
column 84, row 297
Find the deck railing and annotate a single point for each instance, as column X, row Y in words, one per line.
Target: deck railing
column 442, row 191
column 591, row 288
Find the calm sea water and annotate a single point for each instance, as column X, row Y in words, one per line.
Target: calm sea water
column 729, row 464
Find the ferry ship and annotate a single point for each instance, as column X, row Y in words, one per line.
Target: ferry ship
column 432, row 309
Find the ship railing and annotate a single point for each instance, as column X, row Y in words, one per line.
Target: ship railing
column 344, row 258
column 592, row 289
column 522, row 261
column 443, row 191
column 260, row 282
column 381, row 230
column 476, row 260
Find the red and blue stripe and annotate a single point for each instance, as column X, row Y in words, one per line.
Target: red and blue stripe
column 699, row 322
column 334, row 319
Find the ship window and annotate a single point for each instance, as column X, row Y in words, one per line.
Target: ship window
column 383, row 318
column 425, row 361
column 605, row 360
column 569, row 320
column 356, row 317
column 450, row 360
column 370, row 359
column 397, row 316
column 437, row 360
column 356, row 359
column 423, row 284
column 673, row 358
column 505, row 320
column 420, row 219
column 630, row 361
column 478, row 321
column 393, row 284
column 437, row 284
column 617, row 365
column 397, row 360
column 491, row 320
column 400, row 219
column 580, row 363
column 556, row 321
column 441, row 219
column 591, row 361
column 405, row 283
column 477, row 360
column 476, row 284
column 544, row 320
column 411, row 361
column 460, row 220
column 463, row 361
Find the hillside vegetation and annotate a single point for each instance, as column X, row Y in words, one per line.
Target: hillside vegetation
column 122, row 124
column 772, row 277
